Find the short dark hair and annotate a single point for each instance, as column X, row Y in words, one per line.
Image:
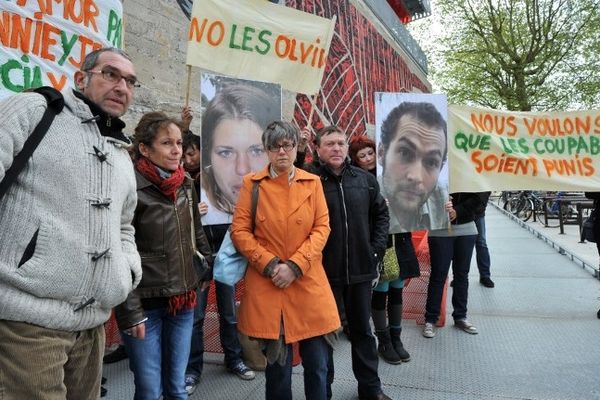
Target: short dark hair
column 426, row 113
column 327, row 130
column 91, row 59
column 278, row 131
column 147, row 129
column 190, row 140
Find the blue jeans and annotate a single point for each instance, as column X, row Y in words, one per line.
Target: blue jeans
column 481, row 250
column 228, row 334
column 158, row 361
column 314, row 352
column 444, row 251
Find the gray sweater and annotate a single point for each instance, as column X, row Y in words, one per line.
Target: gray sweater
column 73, row 211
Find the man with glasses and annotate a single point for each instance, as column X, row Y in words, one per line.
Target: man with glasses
column 67, row 248
column 359, row 222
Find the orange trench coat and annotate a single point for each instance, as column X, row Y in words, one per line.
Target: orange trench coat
column 292, row 223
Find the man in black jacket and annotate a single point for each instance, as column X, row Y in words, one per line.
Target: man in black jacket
column 359, row 221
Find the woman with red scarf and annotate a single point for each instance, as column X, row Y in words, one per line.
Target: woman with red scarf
column 156, row 319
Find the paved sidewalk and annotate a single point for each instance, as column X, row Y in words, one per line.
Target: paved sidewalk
column 538, row 335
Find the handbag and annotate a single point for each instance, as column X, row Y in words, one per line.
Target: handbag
column 230, row 265
column 587, row 229
column 391, row 268
column 199, row 262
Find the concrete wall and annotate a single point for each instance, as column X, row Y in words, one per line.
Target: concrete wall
column 155, row 37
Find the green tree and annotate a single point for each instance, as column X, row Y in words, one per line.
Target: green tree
column 518, row 55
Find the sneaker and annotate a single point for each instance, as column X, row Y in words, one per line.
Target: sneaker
column 242, row 371
column 486, row 281
column 428, row 330
column 191, row 383
column 466, row 326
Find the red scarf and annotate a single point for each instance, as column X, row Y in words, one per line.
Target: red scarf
column 168, row 185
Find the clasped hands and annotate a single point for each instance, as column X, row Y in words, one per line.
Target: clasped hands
column 282, row 276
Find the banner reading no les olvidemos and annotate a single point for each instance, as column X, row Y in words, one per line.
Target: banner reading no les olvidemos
column 496, row 150
column 261, row 41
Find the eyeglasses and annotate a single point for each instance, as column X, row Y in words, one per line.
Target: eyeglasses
column 113, row 76
column 287, row 147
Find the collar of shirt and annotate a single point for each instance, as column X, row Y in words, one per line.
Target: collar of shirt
column 291, row 173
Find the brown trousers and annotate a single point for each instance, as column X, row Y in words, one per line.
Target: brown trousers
column 47, row 364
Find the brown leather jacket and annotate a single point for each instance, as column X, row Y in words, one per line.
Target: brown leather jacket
column 163, row 239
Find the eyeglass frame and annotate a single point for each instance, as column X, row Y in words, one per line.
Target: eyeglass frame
column 276, row 148
column 128, row 79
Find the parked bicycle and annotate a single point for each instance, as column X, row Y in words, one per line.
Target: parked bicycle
column 527, row 203
column 523, row 205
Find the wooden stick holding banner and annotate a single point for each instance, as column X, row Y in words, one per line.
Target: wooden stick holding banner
column 188, row 85
column 308, row 126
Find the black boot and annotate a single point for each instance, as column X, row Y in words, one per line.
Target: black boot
column 385, row 347
column 398, row 346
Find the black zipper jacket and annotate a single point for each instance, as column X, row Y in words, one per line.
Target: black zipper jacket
column 359, row 221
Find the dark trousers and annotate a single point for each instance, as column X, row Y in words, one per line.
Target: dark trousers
column 481, row 250
column 356, row 299
column 232, row 350
column 314, row 352
column 444, row 251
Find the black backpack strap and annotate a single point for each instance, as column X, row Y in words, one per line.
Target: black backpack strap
column 254, row 205
column 55, row 105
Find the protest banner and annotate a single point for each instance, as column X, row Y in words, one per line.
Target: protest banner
column 259, row 40
column 500, row 150
column 43, row 43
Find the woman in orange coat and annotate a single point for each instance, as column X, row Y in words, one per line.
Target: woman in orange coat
column 287, row 297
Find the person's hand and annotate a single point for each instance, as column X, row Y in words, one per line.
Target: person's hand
column 305, row 135
column 138, row 331
column 283, row 276
column 450, row 209
column 202, row 208
column 186, row 117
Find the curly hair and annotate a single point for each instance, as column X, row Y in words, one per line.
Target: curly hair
column 357, row 144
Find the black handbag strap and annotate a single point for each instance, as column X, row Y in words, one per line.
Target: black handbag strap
column 55, row 105
column 254, row 206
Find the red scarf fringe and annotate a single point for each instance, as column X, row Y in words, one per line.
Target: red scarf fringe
column 180, row 302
